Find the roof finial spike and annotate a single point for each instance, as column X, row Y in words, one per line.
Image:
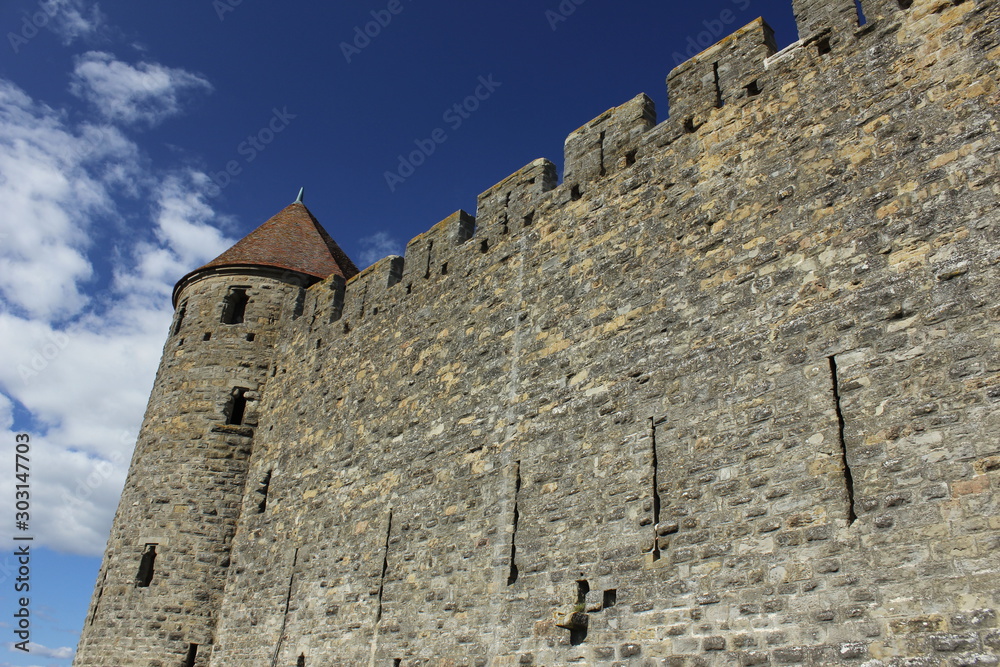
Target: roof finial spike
column 302, row 192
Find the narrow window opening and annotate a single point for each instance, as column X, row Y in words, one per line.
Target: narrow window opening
column 484, row 246
column 301, row 662
column 300, row 304
column 655, row 551
column 604, row 171
column 385, row 568
column 753, row 89
column 192, row 655
column 861, row 13
column 444, row 269
column 513, row 572
column 180, row 343
column 237, row 407
column 841, row 423
column 630, row 158
column 234, row 306
column 689, row 127
column 251, row 337
column 207, row 336
column 265, row 488
column 319, row 343
column 610, row 598
column 718, row 86
column 582, row 588
column 409, row 286
column 579, row 620
column 430, row 255
column 575, row 193
column 146, row 567
column 823, row 46
column 397, row 662
column 529, row 219
column 347, row 328
column 180, row 318
column 905, row 4
column 100, row 594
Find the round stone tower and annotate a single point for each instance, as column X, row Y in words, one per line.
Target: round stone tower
column 166, row 561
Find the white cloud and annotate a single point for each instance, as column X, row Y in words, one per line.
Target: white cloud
column 147, row 93
column 68, row 19
column 82, row 364
column 34, row 649
column 52, row 189
column 185, row 239
column 377, row 246
column 72, row 18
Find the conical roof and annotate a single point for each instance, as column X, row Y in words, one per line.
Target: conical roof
column 292, row 240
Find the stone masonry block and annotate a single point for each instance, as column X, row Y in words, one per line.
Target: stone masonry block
column 721, row 74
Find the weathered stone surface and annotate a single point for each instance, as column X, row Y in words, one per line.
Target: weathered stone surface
column 732, row 397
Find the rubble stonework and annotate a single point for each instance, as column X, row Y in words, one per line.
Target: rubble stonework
column 727, row 395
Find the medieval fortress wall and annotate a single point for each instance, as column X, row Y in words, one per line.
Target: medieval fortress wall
column 727, row 395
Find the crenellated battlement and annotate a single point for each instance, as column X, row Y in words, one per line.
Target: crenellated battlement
column 741, row 70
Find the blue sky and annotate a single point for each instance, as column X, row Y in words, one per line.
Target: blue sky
column 138, row 140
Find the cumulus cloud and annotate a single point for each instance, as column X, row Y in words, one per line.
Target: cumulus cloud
column 34, row 649
column 72, row 19
column 52, row 190
column 80, row 363
column 185, row 239
column 377, row 246
column 68, row 19
column 142, row 94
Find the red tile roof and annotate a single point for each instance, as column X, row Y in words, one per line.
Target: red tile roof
column 293, row 240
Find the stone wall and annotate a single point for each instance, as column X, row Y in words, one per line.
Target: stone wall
column 728, row 395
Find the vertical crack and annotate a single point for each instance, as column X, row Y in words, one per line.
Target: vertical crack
column 848, row 474
column 288, row 602
column 385, row 568
column 512, row 575
column 656, row 486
